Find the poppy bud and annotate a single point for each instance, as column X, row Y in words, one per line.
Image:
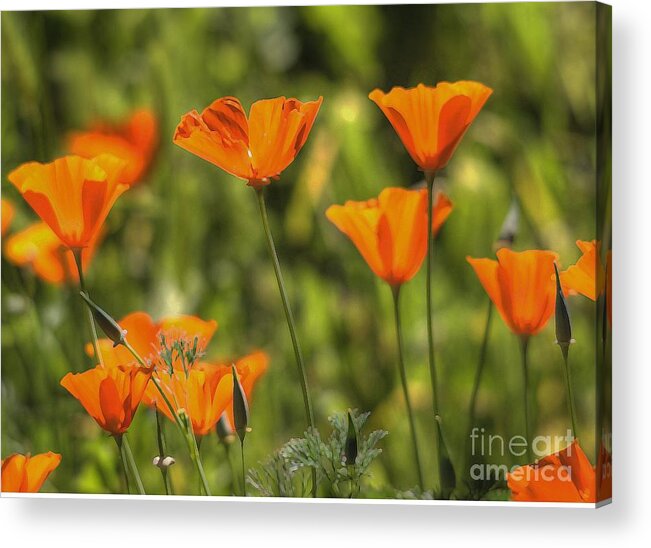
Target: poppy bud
column 184, row 418
column 224, row 431
column 509, row 229
column 110, row 327
column 163, row 463
column 240, row 407
column 350, row 449
column 563, row 325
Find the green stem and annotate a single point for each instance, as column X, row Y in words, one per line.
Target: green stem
column 438, row 437
column 123, row 459
column 403, row 378
column 568, row 384
column 132, row 464
column 227, row 450
column 480, row 364
column 524, row 345
column 478, row 374
column 243, row 468
column 288, row 311
column 77, row 252
column 162, row 451
column 309, row 414
column 196, row 459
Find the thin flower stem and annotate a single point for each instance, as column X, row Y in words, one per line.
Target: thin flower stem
column 570, row 395
column 162, row 451
column 123, row 460
column 243, row 468
column 438, row 437
column 132, row 464
column 472, row 409
column 91, row 320
column 227, row 451
column 196, row 459
column 309, row 414
column 480, row 364
column 405, row 390
column 524, row 345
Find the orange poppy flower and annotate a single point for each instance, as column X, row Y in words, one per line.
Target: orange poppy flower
column 111, row 395
column 431, row 121
column 7, row 214
column 521, row 286
column 204, row 394
column 40, row 248
column 134, row 141
column 256, row 149
column 604, row 473
column 566, row 476
column 587, row 276
column 442, row 209
column 72, row 195
column 145, row 336
column 390, row 231
column 249, row 368
column 26, row 474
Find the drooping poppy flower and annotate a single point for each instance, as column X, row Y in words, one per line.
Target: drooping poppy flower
column 110, row 395
column 431, row 121
column 521, row 286
column 27, row 474
column 256, row 148
column 144, row 334
column 587, row 276
column 40, row 248
column 204, row 394
column 7, row 214
column 565, row 476
column 390, row 231
column 72, row 195
column 133, row 141
column 249, row 369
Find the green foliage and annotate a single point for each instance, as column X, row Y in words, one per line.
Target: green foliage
column 187, row 240
column 283, row 473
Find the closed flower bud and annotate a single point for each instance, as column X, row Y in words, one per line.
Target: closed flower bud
column 224, row 431
column 107, row 324
column 184, row 418
column 563, row 324
column 350, row 449
column 509, row 230
column 163, row 463
column 240, row 407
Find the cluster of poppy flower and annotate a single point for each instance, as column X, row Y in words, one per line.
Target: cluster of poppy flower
column 390, row 233
column 73, row 196
column 394, row 233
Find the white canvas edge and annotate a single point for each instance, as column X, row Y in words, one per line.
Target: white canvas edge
column 371, row 502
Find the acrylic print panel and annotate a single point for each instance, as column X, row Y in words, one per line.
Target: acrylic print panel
column 343, row 252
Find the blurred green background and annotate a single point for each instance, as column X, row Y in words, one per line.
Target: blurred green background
column 189, row 240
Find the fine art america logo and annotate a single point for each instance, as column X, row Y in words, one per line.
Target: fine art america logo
column 494, row 445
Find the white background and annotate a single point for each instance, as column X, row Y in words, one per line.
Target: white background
column 626, row 522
